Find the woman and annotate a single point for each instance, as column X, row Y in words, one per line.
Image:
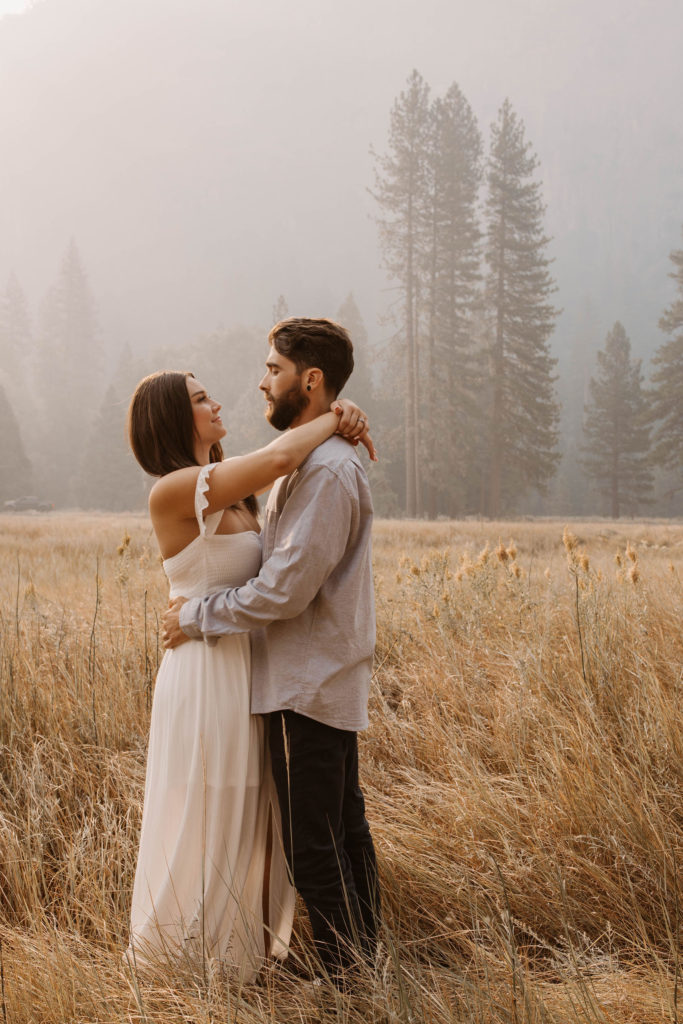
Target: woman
column 211, row 879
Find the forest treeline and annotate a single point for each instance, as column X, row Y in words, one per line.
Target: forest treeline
column 463, row 389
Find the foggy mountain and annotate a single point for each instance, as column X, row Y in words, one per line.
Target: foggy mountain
column 208, row 157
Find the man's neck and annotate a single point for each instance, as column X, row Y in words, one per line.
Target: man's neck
column 314, row 409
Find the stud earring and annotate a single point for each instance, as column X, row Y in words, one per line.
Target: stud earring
column 308, row 387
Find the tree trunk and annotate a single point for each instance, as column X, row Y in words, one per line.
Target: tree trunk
column 497, row 403
column 411, row 397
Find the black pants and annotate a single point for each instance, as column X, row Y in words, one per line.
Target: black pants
column 326, row 836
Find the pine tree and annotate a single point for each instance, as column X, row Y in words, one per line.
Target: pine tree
column 15, row 334
column 667, row 395
column 280, row 309
column 616, row 431
column 522, row 408
column 360, row 385
column 15, row 468
column 568, row 493
column 361, row 388
column 110, row 477
column 68, row 374
column 401, row 191
column 453, row 257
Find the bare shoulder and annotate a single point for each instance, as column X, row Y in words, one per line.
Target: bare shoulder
column 171, row 493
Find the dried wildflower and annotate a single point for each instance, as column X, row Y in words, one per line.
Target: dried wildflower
column 502, row 553
column 512, row 549
column 569, row 540
column 484, row 555
column 124, row 545
column 415, row 569
column 618, row 559
column 516, row 571
column 631, row 553
column 634, row 574
column 585, row 564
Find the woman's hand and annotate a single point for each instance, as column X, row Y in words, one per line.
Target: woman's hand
column 353, row 424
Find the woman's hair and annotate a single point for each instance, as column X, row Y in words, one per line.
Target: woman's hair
column 161, row 428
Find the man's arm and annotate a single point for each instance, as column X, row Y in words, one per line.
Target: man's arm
column 313, row 533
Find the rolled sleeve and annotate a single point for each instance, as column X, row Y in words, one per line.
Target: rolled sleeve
column 312, row 536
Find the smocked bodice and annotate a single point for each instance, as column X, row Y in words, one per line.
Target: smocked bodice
column 212, row 561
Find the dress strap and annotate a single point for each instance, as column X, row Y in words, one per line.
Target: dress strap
column 208, row 526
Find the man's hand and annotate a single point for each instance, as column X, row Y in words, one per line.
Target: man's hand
column 172, row 634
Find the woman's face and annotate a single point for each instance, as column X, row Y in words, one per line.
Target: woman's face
column 208, row 424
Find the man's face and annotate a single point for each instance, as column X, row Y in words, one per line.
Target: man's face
column 285, row 394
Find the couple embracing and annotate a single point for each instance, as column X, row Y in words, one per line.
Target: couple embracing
column 252, row 774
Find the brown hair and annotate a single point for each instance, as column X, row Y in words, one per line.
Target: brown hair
column 161, row 426
column 321, row 343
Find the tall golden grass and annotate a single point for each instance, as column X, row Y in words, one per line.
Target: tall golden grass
column 523, row 773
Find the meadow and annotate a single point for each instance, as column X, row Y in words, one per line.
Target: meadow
column 523, row 773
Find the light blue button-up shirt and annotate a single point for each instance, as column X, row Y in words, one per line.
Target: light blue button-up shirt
column 311, row 609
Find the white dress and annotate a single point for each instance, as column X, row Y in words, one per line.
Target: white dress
column 210, row 809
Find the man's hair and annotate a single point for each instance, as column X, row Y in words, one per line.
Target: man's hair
column 320, row 343
column 161, row 424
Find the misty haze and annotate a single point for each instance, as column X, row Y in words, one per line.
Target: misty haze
column 176, row 176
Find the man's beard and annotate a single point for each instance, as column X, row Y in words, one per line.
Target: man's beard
column 285, row 409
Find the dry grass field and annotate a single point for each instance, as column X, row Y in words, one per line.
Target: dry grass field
column 523, row 772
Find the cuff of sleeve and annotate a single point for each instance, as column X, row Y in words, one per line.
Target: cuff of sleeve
column 188, row 618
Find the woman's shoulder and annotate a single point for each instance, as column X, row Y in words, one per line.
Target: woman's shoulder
column 169, row 489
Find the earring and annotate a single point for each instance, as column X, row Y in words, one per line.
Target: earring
column 308, row 387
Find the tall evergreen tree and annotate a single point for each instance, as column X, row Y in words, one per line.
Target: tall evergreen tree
column 15, row 334
column 110, row 477
column 617, row 435
column 280, row 309
column 361, row 387
column 15, row 468
column 568, row 494
column 401, row 191
column 69, row 374
column 522, row 408
column 361, row 384
column 452, row 271
column 667, row 378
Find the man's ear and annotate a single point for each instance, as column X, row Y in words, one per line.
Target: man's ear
column 313, row 378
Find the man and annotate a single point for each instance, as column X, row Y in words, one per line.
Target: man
column 311, row 613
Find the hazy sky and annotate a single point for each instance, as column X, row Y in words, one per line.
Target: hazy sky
column 208, row 155
column 13, row 6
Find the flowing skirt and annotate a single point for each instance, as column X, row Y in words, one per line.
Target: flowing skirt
column 211, row 878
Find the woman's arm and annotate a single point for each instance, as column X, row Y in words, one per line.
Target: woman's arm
column 172, row 497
